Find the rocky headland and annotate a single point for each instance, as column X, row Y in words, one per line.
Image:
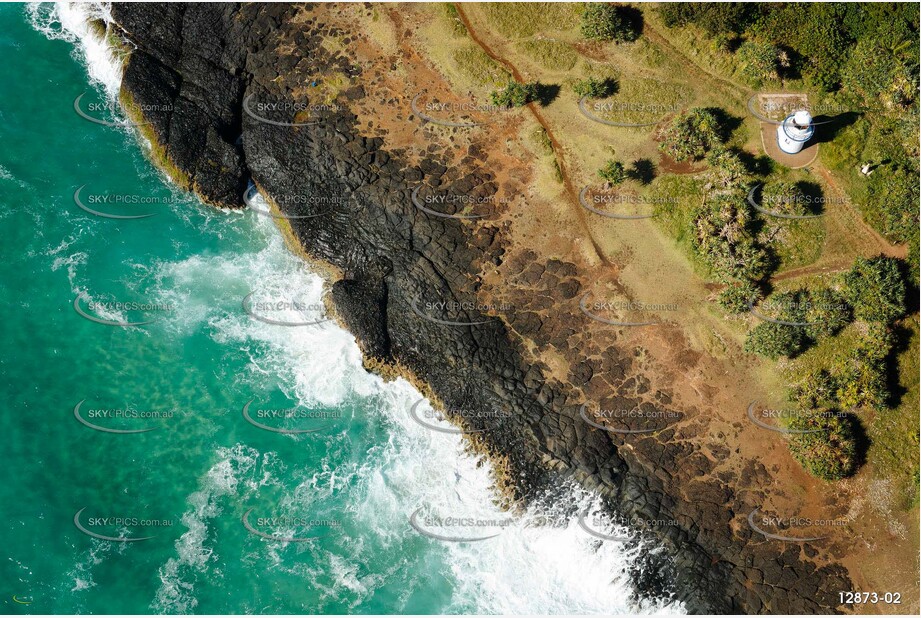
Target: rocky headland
column 255, row 93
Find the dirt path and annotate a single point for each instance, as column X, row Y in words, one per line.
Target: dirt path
column 534, row 108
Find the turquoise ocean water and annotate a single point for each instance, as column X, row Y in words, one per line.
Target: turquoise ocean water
column 345, row 490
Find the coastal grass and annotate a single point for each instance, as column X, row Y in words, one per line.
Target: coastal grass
column 894, row 439
column 675, row 198
column 518, row 20
column 463, row 63
column 549, row 54
column 476, row 66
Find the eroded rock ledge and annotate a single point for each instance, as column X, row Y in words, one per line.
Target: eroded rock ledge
column 197, row 64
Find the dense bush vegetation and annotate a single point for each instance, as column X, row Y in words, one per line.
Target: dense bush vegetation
column 613, row 172
column 786, row 198
column 875, row 289
column 724, row 239
column 822, row 37
column 739, row 296
column 714, row 17
column 760, row 61
column 607, row 22
column 829, row 451
column 692, row 134
column 772, row 340
column 514, row 94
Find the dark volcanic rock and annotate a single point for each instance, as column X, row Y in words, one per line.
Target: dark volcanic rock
column 409, row 293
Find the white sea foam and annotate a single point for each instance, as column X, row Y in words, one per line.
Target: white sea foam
column 526, row 569
column 239, row 472
column 70, row 22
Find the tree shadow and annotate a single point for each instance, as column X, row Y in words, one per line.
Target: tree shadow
column 902, row 338
column 633, row 18
column 759, row 165
column 862, row 441
column 827, row 128
column 643, row 171
column 545, row 94
column 814, row 194
column 726, row 122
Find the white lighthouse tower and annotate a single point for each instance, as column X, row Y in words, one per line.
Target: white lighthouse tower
column 795, row 130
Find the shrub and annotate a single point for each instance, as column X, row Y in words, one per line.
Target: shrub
column 691, row 134
column 829, row 451
column 595, row 88
column 815, row 390
column 827, row 313
column 727, row 171
column 722, row 237
column 738, row 297
column 860, row 374
column 606, row 22
column 772, row 340
column 787, row 198
column 875, row 289
column 613, row 172
column 760, row 61
column 514, row 94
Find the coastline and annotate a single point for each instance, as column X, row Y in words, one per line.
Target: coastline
column 373, row 293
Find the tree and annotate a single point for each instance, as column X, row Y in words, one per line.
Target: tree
column 595, row 88
column 607, row 22
column 613, row 172
column 691, row 134
column 829, row 450
column 514, row 94
column 875, row 289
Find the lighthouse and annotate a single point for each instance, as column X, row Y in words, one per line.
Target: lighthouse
column 795, row 130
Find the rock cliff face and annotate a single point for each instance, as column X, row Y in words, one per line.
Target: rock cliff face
column 197, row 68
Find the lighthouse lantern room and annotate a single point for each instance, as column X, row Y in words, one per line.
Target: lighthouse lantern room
column 795, row 130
